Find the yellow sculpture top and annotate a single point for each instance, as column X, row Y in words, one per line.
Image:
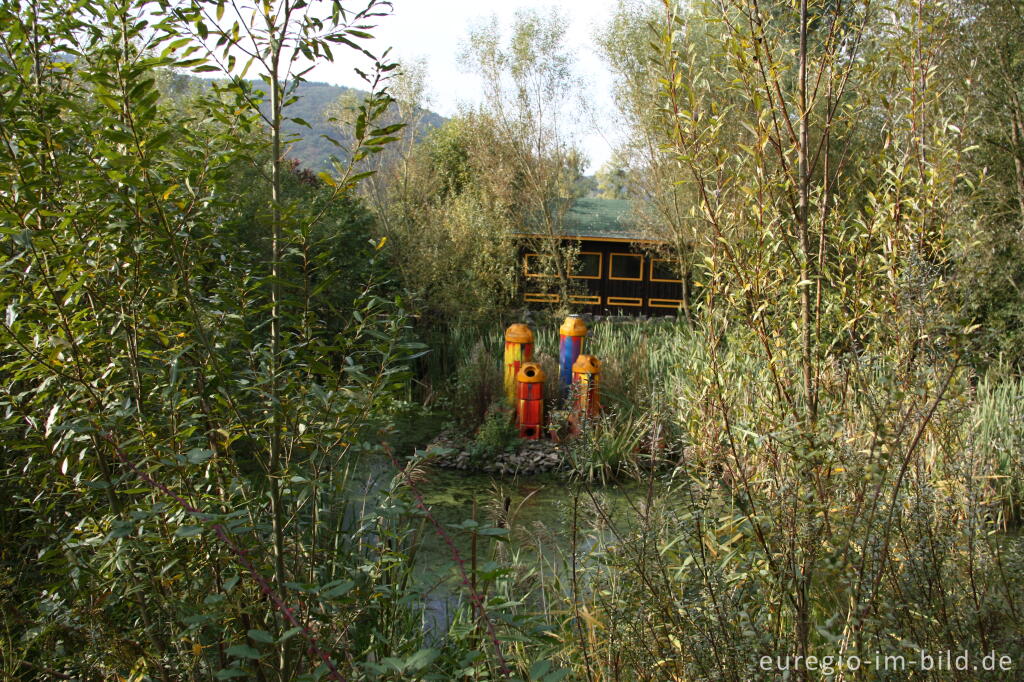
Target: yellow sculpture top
column 573, row 326
column 530, row 373
column 586, row 364
column 518, row 333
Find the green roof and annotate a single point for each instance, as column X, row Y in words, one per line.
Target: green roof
column 600, row 219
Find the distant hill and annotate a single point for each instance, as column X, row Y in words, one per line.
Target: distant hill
column 311, row 149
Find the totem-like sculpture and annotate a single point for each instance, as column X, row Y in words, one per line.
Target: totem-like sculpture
column 518, row 349
column 586, row 374
column 530, row 403
column 570, row 345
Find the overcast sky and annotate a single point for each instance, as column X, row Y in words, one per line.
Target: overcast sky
column 435, row 30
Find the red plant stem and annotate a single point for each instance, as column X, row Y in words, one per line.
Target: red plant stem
column 474, row 596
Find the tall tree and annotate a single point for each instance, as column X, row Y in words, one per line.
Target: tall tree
column 164, row 380
column 821, row 262
column 530, row 96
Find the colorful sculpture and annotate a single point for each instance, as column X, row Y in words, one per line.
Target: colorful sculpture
column 586, row 374
column 518, row 349
column 570, row 345
column 530, row 403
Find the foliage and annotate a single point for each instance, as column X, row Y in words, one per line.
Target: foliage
column 476, row 386
column 497, row 433
column 178, row 422
column 449, row 221
column 607, row 445
column 986, row 70
column 453, row 204
column 826, row 420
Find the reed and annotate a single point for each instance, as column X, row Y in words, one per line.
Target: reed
column 998, row 438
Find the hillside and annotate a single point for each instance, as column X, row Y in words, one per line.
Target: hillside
column 312, row 150
column 312, row 106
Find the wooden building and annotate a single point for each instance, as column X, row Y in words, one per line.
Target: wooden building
column 617, row 270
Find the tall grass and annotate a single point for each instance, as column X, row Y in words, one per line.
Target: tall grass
column 998, row 438
column 642, row 365
column 875, row 535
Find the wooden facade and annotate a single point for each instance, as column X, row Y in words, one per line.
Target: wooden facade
column 616, row 278
column 616, row 271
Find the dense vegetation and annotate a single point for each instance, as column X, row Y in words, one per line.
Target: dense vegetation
column 201, row 342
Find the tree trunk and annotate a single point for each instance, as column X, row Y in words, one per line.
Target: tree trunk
column 276, row 418
column 804, row 186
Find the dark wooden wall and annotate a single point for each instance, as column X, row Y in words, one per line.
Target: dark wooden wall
column 617, row 296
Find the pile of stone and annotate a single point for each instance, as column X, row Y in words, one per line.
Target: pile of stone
column 528, row 458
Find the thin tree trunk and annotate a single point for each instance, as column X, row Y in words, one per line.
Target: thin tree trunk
column 804, row 186
column 276, row 418
column 1017, row 140
column 803, row 178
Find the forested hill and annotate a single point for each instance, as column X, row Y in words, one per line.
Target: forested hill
column 313, row 106
column 316, row 104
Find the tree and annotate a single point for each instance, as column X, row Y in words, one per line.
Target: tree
column 821, row 267
column 613, row 179
column 164, row 379
column 986, row 70
column 529, row 87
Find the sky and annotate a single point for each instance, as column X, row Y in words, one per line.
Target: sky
column 436, row 30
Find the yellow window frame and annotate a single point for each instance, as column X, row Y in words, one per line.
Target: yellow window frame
column 651, row 271
column 526, row 265
column 600, row 265
column 611, row 267
column 586, row 300
column 624, row 300
column 665, row 303
column 540, row 298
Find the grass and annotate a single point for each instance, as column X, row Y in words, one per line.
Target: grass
column 998, row 437
column 764, row 536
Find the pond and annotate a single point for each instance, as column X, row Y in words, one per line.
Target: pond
column 538, row 511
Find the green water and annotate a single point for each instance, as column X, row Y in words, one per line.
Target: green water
column 547, row 518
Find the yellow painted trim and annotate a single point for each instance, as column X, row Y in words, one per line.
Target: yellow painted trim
column 526, row 267
column 590, row 239
column 665, row 303
column 540, row 298
column 651, row 271
column 600, row 264
column 585, row 300
column 617, row 300
column 611, row 267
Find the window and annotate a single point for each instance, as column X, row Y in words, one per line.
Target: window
column 538, row 265
column 586, row 300
column 627, row 266
column 664, row 270
column 540, row 298
column 587, row 265
column 665, row 303
column 614, row 301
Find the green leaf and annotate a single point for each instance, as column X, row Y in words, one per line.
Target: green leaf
column 539, row 669
column 198, row 455
column 421, row 659
column 242, row 651
column 188, row 531
column 341, row 589
column 261, row 636
column 496, row 532
column 288, row 634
